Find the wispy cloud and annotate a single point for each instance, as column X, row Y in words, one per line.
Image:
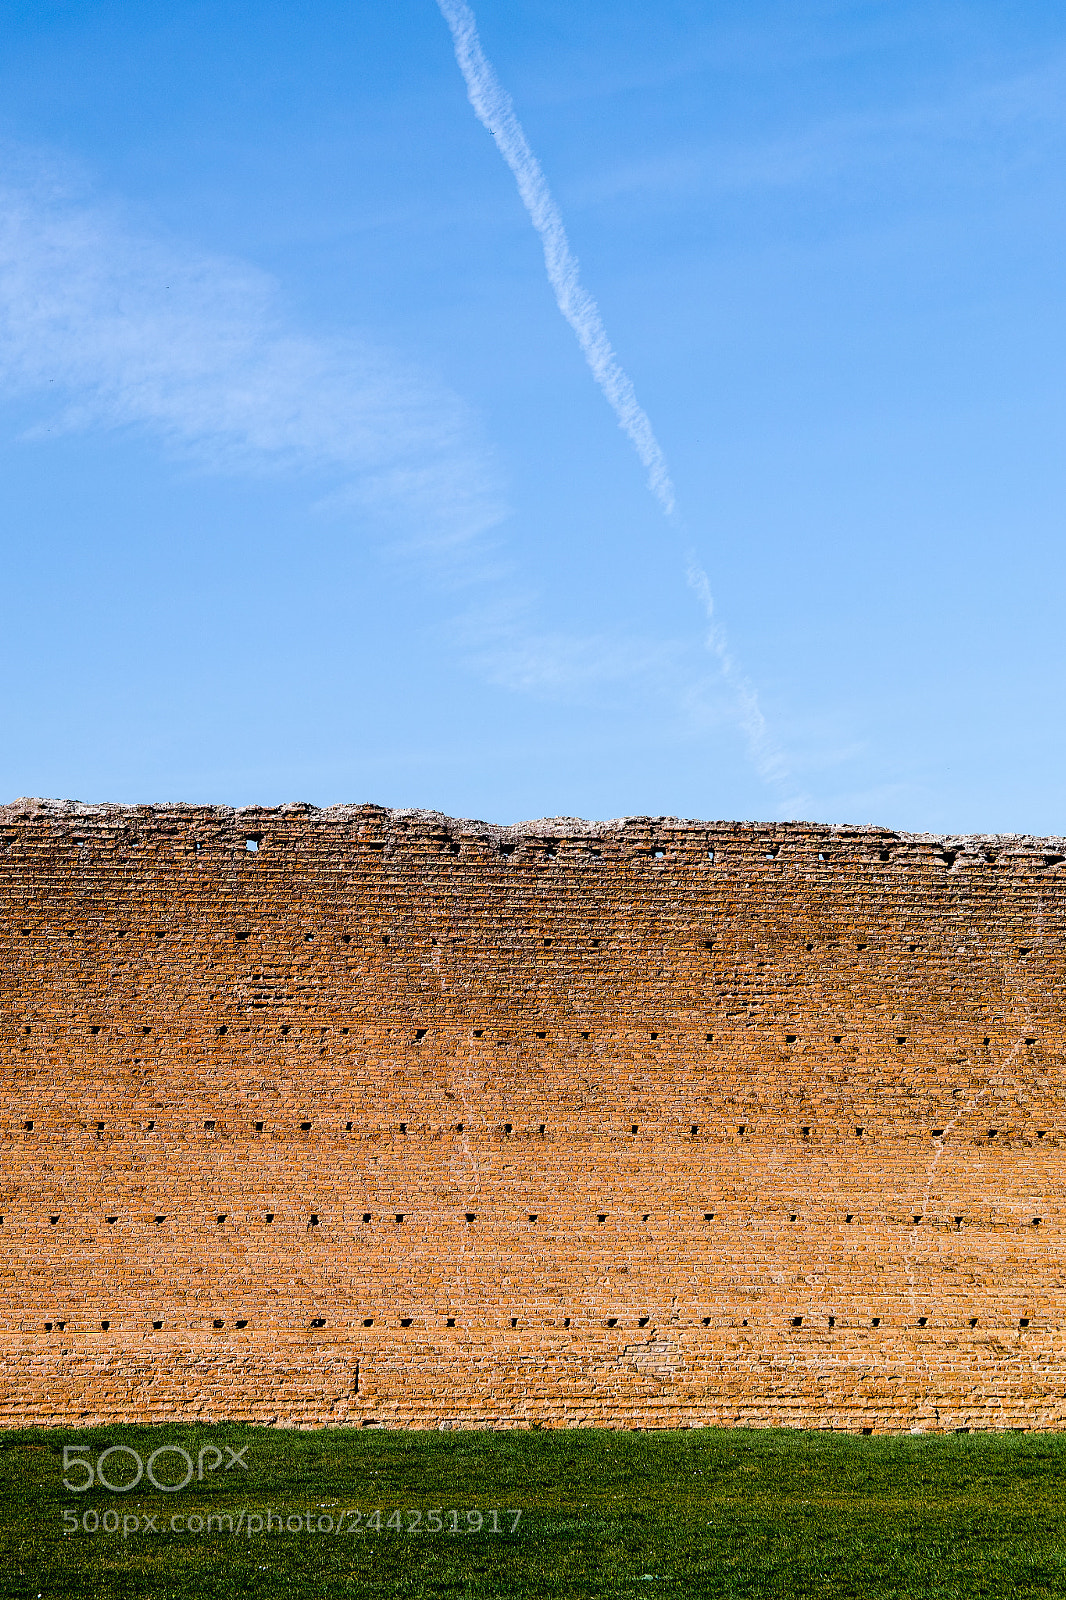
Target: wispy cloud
column 506, row 645
column 112, row 328
column 105, row 326
column 1001, row 122
column 495, row 110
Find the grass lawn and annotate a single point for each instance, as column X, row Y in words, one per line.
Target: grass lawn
column 706, row 1512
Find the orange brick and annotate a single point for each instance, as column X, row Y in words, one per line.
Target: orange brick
column 406, row 1121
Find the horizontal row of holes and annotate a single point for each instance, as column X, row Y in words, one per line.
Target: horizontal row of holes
column 313, row 1219
column 507, row 1129
column 417, row 1035
column 543, row 846
column 60, row 1325
column 704, row 943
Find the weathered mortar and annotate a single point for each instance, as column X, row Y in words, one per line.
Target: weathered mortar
column 410, row 1121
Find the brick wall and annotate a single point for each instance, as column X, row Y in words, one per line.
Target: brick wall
column 396, row 1120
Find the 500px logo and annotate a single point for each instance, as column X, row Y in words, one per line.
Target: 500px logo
column 121, row 1468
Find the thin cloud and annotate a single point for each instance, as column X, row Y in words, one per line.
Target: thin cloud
column 495, row 110
column 505, row 646
column 113, row 329
column 104, row 327
column 1001, row 122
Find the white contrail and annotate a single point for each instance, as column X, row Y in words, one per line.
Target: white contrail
column 765, row 755
column 494, row 108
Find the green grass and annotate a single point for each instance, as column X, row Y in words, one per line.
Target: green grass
column 706, row 1512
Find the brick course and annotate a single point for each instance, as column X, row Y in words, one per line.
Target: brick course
column 399, row 1120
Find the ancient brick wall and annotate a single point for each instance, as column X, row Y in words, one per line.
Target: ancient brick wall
column 370, row 1117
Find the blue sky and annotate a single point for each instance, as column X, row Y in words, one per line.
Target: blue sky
column 307, row 491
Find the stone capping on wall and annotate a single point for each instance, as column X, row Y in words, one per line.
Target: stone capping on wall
column 972, row 846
